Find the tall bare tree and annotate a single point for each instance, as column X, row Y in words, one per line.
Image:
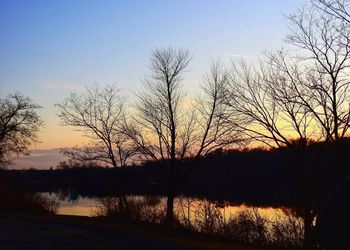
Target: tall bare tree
column 19, row 125
column 300, row 97
column 167, row 129
column 264, row 97
column 325, row 48
column 320, row 83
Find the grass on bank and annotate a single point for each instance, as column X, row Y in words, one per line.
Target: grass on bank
column 16, row 199
column 187, row 240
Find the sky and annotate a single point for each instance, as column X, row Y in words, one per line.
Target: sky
column 49, row 49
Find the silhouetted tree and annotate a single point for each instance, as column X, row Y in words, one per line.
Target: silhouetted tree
column 99, row 114
column 307, row 93
column 19, row 125
column 325, row 43
column 299, row 98
column 259, row 98
column 167, row 129
column 324, row 40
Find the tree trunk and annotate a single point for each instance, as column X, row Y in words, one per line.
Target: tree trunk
column 123, row 203
column 308, row 230
column 170, row 208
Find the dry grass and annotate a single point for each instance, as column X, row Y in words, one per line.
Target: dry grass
column 246, row 228
column 15, row 199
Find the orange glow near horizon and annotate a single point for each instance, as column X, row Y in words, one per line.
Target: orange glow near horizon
column 59, row 137
column 53, row 134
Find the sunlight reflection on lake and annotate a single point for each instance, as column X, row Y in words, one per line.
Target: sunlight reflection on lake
column 80, row 206
column 185, row 207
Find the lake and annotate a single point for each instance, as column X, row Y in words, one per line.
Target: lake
column 186, row 207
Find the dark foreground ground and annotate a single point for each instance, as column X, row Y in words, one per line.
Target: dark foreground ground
column 64, row 232
column 18, row 231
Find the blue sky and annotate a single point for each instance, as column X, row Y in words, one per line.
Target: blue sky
column 51, row 48
column 110, row 41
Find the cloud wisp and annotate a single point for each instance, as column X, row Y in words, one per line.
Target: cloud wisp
column 39, row 159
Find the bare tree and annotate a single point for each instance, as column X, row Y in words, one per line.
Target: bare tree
column 99, row 114
column 19, row 125
column 322, row 33
column 298, row 98
column 168, row 129
column 258, row 97
column 325, row 46
column 159, row 116
column 265, row 98
column 309, row 91
column 322, row 88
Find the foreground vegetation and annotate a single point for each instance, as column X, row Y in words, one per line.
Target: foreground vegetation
column 210, row 219
column 66, row 232
column 16, row 199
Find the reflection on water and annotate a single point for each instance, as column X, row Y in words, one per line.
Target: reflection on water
column 73, row 205
column 185, row 207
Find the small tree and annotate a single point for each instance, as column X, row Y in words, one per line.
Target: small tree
column 19, row 126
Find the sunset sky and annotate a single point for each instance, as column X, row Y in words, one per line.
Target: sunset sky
column 51, row 48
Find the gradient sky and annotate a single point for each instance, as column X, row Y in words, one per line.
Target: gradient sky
column 51, row 48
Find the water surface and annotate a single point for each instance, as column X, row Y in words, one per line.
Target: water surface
column 185, row 207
